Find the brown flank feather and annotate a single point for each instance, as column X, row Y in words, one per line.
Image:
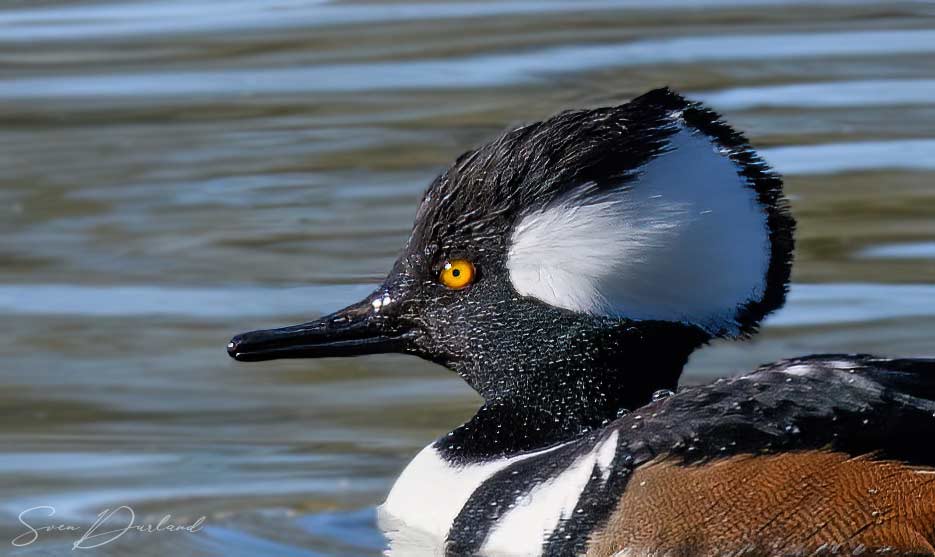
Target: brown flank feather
column 790, row 504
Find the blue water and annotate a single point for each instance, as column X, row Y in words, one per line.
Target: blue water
column 174, row 172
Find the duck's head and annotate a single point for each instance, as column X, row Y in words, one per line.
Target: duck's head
column 583, row 257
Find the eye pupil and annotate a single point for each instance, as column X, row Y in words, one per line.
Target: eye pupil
column 456, row 272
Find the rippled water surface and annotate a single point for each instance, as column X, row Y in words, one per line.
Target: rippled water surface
column 172, row 172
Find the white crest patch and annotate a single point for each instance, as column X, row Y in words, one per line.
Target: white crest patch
column 685, row 241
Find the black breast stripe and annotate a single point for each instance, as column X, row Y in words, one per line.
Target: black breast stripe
column 597, row 501
column 497, row 495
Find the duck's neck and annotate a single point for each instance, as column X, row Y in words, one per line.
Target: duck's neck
column 561, row 399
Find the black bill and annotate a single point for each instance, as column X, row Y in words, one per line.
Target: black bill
column 353, row 331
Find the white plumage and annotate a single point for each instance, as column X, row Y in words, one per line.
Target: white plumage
column 686, row 240
column 430, row 493
column 538, row 513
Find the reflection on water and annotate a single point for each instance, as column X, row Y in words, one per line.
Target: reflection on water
column 174, row 172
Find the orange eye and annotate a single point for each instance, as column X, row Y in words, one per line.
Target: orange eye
column 457, row 274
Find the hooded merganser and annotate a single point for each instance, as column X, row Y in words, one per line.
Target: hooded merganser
column 566, row 270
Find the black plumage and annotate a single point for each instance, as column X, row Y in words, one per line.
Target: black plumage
column 856, row 404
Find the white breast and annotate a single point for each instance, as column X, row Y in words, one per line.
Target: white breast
column 534, row 516
column 430, row 493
